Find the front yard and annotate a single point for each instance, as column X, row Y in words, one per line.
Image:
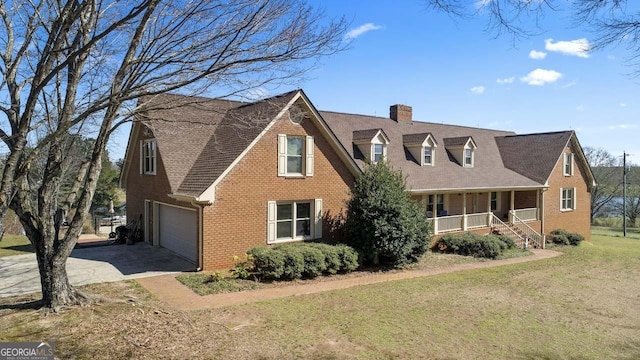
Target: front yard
column 582, row 305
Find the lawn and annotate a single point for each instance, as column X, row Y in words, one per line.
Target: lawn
column 15, row 245
column 582, row 305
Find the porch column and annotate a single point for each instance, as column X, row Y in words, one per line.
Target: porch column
column 435, row 213
column 464, row 211
column 489, row 208
column 538, row 204
column 512, row 205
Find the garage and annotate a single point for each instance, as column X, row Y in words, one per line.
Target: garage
column 178, row 230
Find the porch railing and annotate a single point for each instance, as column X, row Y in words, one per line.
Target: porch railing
column 527, row 214
column 450, row 223
column 477, row 220
column 527, row 232
column 500, row 227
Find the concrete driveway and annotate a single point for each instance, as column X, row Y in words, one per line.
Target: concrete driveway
column 19, row 274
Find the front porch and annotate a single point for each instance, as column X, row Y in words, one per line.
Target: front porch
column 515, row 213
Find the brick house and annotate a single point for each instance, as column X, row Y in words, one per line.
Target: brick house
column 209, row 179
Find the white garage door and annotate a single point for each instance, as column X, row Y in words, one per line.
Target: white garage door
column 178, row 231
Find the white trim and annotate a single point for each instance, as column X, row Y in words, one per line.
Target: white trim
column 282, row 155
column 309, row 146
column 147, row 204
column 573, row 199
column 153, row 156
column 480, row 189
column 271, row 222
column 156, row 223
column 141, row 157
column 318, row 218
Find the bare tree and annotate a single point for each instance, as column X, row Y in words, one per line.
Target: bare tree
column 79, row 67
column 607, row 172
column 611, row 21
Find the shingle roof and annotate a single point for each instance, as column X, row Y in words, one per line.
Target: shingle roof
column 533, row 155
column 365, row 135
column 488, row 170
column 198, row 138
column 417, row 139
column 457, row 141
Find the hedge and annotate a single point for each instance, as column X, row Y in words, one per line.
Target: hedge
column 563, row 237
column 471, row 244
column 302, row 260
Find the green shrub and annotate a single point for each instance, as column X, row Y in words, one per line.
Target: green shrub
column 314, row 264
column 269, row 264
column 348, row 258
column 575, row 238
column 293, row 261
column 560, row 237
column 507, row 241
column 563, row 237
column 383, row 223
column 471, row 244
column 331, row 257
column 243, row 267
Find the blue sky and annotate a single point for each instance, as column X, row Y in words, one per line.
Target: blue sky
column 454, row 72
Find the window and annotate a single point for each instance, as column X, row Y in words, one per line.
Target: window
column 148, row 157
column 494, row 201
column 468, row 157
column 567, row 199
column 378, row 152
column 568, row 164
column 294, row 220
column 439, row 198
column 295, row 155
column 427, row 156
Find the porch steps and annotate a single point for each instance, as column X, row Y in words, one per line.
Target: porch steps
column 523, row 239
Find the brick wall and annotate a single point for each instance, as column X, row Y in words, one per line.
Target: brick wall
column 237, row 221
column 572, row 220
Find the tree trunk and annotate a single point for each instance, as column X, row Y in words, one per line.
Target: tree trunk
column 56, row 289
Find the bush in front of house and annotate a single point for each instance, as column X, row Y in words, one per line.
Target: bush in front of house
column 471, row 244
column 383, row 223
column 302, row 260
column 563, row 237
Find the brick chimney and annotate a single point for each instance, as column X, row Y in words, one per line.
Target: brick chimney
column 401, row 113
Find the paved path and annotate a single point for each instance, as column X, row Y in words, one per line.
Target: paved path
column 92, row 264
column 169, row 290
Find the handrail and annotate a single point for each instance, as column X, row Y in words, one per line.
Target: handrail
column 527, row 230
column 507, row 230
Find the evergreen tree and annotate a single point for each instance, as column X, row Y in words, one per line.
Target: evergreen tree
column 383, row 223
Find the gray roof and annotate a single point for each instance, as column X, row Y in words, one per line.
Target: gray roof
column 488, row 171
column 533, row 155
column 199, row 138
column 457, row 141
column 365, row 135
column 417, row 139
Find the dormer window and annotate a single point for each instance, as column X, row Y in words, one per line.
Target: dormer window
column 463, row 150
column 422, row 146
column 372, row 143
column 378, row 152
column 427, row 158
column 468, row 157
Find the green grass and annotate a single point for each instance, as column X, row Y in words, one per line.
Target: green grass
column 584, row 304
column 15, row 245
column 206, row 284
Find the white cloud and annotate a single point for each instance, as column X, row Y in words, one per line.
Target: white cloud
column 579, row 47
column 478, row 90
column 540, row 77
column 505, row 80
column 622, row 126
column 623, row 104
column 537, row 55
column 354, row 33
